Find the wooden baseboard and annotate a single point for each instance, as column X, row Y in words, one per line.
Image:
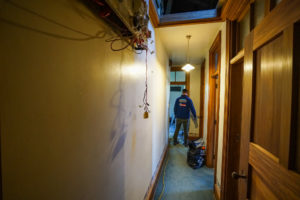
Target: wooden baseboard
column 151, row 189
column 217, row 192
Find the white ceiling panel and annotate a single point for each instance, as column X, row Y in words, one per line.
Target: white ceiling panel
column 175, row 42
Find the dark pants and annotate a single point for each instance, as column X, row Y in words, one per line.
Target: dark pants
column 185, row 123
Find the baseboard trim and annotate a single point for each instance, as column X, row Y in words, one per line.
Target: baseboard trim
column 217, row 192
column 151, row 189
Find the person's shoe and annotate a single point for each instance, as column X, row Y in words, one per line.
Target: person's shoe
column 175, row 143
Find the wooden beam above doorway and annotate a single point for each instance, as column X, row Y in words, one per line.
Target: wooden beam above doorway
column 232, row 9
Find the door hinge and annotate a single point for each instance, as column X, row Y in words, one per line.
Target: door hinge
column 216, row 85
column 215, row 122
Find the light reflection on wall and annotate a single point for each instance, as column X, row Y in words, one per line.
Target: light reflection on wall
column 134, row 70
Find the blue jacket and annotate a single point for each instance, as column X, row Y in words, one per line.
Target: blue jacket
column 183, row 106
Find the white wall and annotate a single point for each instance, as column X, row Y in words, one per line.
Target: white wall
column 222, row 97
column 160, row 89
column 71, row 127
column 195, row 96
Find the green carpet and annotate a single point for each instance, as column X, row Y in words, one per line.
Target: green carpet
column 181, row 181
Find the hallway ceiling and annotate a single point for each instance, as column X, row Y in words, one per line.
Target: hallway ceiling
column 175, row 42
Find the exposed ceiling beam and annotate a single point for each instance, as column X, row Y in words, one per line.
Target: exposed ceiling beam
column 153, row 14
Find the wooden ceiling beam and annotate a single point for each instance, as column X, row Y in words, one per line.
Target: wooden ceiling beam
column 153, row 14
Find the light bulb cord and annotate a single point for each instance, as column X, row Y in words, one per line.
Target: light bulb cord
column 188, row 49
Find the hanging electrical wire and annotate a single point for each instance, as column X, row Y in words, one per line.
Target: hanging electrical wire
column 145, row 99
column 135, row 36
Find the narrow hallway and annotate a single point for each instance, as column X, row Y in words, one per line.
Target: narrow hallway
column 91, row 92
column 179, row 181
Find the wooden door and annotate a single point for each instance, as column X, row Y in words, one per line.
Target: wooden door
column 268, row 154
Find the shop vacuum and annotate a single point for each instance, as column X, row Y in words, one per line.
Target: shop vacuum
column 196, row 154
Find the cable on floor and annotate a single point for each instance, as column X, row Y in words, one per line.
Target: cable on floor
column 164, row 173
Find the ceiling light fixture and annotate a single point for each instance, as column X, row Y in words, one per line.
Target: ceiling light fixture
column 188, row 67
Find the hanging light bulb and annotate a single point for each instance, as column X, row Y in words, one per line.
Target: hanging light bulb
column 188, row 67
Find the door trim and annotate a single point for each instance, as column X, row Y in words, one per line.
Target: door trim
column 202, row 93
column 231, row 50
column 216, row 47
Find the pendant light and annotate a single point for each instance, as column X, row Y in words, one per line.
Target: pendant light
column 188, row 67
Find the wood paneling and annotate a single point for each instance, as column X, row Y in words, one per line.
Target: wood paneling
column 269, row 5
column 233, row 9
column 283, row 183
column 259, row 189
column 286, row 86
column 282, row 16
column 239, row 56
column 269, row 82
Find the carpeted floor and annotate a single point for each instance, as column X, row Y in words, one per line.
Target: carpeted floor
column 181, row 182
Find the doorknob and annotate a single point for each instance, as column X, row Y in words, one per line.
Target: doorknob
column 235, row 175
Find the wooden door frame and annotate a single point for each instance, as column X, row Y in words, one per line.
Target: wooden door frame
column 216, row 47
column 202, row 93
column 231, row 50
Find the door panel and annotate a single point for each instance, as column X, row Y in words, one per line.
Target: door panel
column 268, row 96
column 283, row 183
column 259, row 189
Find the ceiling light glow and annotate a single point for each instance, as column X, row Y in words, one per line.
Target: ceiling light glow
column 188, row 67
